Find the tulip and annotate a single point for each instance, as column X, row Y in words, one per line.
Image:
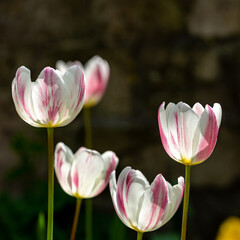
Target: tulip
column 141, row 206
column 96, row 73
column 189, row 136
column 96, row 78
column 54, row 100
column 84, row 174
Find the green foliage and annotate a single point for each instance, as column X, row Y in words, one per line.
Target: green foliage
column 41, row 227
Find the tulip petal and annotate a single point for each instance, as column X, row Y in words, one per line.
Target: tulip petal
column 48, row 96
column 62, row 164
column 198, row 109
column 135, row 186
column 21, row 92
column 175, row 197
column 208, row 126
column 182, row 124
column 110, row 161
column 86, row 169
column 163, row 129
column 154, row 203
column 118, row 202
column 218, row 112
column 97, row 73
column 74, row 79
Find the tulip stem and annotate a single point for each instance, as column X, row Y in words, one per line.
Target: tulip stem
column 139, row 235
column 186, row 201
column 75, row 221
column 50, row 132
column 88, row 144
column 88, row 127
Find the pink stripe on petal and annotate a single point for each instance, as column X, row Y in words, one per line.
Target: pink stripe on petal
column 129, row 181
column 59, row 162
column 81, row 87
column 162, row 134
column 120, row 201
column 76, row 180
column 160, row 199
column 111, row 167
column 209, row 139
column 20, row 90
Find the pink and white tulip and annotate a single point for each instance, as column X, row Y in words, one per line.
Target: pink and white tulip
column 141, row 206
column 84, row 174
column 53, row 100
column 189, row 134
column 97, row 73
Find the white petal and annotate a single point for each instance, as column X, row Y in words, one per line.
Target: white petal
column 154, row 204
column 119, row 208
column 175, row 198
column 62, row 163
column 21, row 93
column 86, row 170
column 110, row 161
column 218, row 112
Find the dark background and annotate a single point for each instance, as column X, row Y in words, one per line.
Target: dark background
column 158, row 50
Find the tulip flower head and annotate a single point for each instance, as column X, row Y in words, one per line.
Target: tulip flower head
column 53, row 100
column 97, row 73
column 141, row 206
column 84, row 174
column 189, row 134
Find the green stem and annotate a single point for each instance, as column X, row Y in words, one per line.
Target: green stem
column 88, row 127
column 75, row 221
column 50, row 132
column 88, row 144
column 88, row 219
column 139, row 235
column 186, row 201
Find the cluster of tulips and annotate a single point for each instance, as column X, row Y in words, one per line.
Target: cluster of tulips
column 57, row 96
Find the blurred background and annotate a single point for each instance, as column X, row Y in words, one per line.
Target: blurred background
column 158, row 50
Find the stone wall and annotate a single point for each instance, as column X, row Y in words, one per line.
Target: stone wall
column 157, row 50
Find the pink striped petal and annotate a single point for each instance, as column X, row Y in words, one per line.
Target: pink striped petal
column 118, row 202
column 74, row 80
column 97, row 73
column 48, row 96
column 86, row 170
column 208, row 126
column 198, row 109
column 154, row 203
column 164, row 133
column 21, row 93
column 175, row 195
column 62, row 163
column 110, row 161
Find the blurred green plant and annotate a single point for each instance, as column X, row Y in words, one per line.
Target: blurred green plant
column 41, row 227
